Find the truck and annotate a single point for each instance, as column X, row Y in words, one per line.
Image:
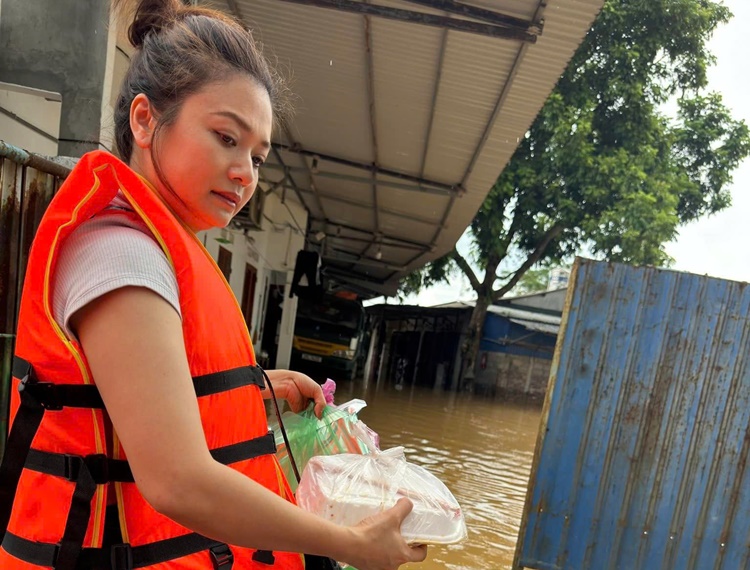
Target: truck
column 328, row 333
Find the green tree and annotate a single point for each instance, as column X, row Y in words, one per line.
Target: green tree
column 604, row 166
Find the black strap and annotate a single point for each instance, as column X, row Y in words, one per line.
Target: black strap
column 117, row 557
column 264, row 557
column 313, row 562
column 263, row 445
column 228, row 380
column 21, row 368
column 104, row 470
column 54, row 396
column 25, row 426
column 221, row 557
column 71, row 543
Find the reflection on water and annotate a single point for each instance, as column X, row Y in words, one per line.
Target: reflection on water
column 482, row 449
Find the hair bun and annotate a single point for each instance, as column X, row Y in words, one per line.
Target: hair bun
column 152, row 16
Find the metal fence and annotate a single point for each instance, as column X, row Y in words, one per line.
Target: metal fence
column 645, row 443
column 27, row 184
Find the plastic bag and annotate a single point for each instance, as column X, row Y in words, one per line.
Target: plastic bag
column 338, row 431
column 348, row 488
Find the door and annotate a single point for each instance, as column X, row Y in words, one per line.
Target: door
column 225, row 262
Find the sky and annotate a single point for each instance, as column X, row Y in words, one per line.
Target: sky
column 717, row 245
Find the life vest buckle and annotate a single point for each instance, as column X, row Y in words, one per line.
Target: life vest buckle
column 121, row 557
column 97, row 465
column 221, row 556
column 46, row 393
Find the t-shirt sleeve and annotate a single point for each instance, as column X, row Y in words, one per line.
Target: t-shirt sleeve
column 103, row 255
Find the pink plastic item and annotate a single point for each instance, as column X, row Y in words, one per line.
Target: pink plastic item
column 329, row 387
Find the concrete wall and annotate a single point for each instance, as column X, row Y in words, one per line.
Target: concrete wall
column 61, row 46
column 29, row 120
column 512, row 375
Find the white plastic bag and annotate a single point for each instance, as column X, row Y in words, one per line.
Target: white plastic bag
column 347, row 488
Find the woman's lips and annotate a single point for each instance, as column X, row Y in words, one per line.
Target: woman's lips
column 228, row 197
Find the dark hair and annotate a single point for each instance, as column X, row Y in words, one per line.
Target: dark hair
column 180, row 49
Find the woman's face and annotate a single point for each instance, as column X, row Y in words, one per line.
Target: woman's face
column 209, row 156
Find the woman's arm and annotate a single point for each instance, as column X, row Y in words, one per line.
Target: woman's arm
column 133, row 341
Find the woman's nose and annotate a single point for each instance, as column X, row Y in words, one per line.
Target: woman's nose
column 242, row 173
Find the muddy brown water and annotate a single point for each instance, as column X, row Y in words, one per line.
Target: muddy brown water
column 481, row 448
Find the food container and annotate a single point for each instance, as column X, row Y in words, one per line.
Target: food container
column 347, row 488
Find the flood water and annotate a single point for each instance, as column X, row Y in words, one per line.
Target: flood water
column 481, row 448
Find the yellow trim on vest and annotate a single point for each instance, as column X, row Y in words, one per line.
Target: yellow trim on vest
column 118, row 492
column 142, row 214
column 100, row 492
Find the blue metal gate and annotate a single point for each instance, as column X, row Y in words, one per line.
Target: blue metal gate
column 642, row 461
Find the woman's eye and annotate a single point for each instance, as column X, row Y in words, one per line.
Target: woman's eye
column 258, row 161
column 226, row 139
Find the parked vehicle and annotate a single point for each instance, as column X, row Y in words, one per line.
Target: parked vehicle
column 328, row 337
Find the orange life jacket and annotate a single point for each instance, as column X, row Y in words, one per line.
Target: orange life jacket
column 59, row 463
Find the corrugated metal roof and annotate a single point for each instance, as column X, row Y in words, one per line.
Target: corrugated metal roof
column 448, row 108
column 643, row 454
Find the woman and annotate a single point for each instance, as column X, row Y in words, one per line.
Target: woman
column 137, row 391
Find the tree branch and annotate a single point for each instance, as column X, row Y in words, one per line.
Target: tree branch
column 551, row 234
column 512, row 229
column 466, row 268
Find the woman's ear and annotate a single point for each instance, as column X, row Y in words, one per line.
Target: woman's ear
column 142, row 121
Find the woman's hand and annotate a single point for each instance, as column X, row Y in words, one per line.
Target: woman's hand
column 379, row 544
column 297, row 389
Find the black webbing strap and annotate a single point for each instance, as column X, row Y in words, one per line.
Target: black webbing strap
column 103, row 470
column 263, row 445
column 21, row 435
column 228, row 380
column 117, row 557
column 71, row 543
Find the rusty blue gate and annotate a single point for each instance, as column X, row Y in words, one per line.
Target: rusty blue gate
column 642, row 460
column 27, row 184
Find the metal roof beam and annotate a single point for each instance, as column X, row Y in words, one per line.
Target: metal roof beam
column 422, row 18
column 370, row 241
column 352, row 178
column 433, row 103
column 349, row 202
column 405, row 242
column 373, row 126
column 449, row 188
column 350, row 257
column 306, row 169
column 496, row 18
column 292, row 184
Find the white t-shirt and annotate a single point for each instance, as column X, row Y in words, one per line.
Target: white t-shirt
column 107, row 253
